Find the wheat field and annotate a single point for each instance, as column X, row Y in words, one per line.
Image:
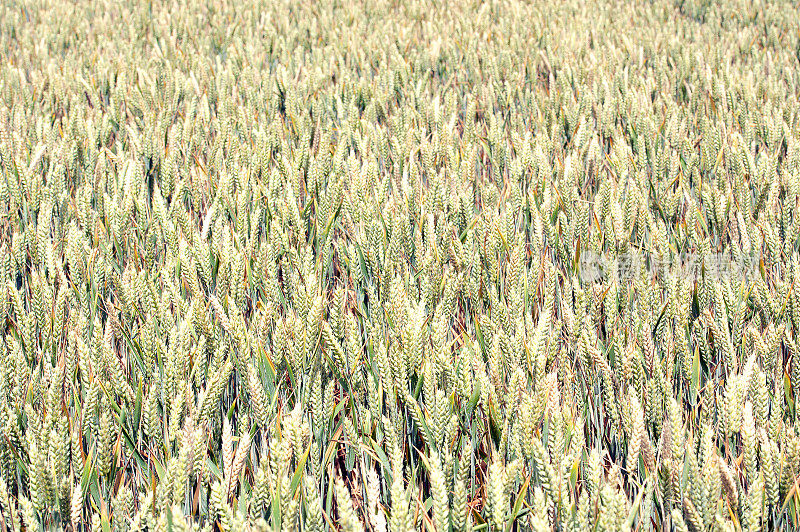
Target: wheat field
column 396, row 265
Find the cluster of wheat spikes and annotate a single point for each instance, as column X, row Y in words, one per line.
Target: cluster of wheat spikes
column 320, row 265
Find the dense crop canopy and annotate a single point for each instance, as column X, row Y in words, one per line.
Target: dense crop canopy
column 393, row 265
